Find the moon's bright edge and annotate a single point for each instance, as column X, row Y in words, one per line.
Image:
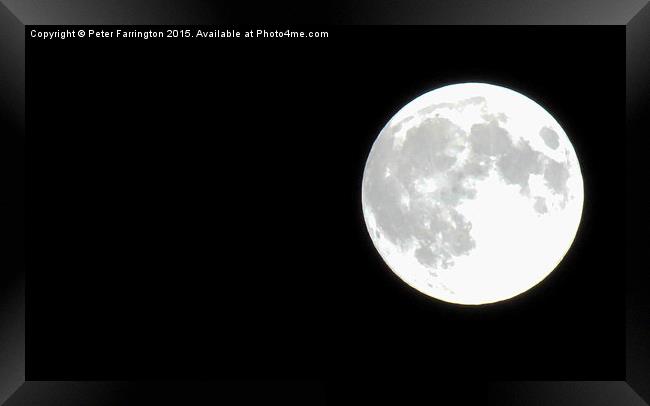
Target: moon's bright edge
column 472, row 193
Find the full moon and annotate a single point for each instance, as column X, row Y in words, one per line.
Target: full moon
column 472, row 193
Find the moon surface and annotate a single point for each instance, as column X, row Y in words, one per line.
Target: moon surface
column 472, row 193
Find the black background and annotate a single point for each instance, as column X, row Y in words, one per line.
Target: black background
column 193, row 208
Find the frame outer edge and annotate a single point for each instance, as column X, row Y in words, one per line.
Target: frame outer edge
column 638, row 127
column 12, row 112
column 12, row 274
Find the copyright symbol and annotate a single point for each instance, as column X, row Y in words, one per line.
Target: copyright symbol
column 82, row 33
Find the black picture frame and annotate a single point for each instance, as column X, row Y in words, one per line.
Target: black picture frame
column 14, row 15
